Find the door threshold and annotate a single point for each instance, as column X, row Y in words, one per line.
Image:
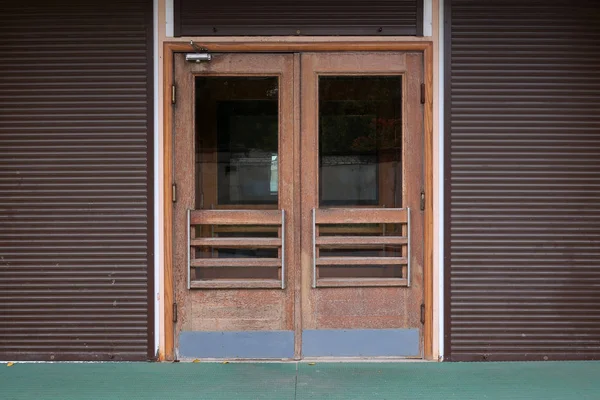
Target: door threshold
column 308, row 360
column 360, row 360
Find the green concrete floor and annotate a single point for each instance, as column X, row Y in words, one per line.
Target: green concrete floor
column 410, row 380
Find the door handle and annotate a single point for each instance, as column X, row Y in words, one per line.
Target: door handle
column 283, row 249
column 314, row 241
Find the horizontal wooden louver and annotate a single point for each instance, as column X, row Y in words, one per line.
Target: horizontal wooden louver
column 75, row 183
column 393, row 249
column 267, row 221
column 523, row 187
column 298, row 17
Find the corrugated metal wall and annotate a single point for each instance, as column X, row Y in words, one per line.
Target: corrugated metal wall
column 298, row 17
column 523, row 180
column 76, row 180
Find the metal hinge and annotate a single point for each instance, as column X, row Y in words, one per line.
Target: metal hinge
column 174, row 193
column 174, row 312
column 173, row 94
column 422, row 203
column 422, row 93
column 423, row 314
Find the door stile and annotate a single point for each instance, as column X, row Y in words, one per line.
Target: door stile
column 183, row 183
column 297, row 212
column 308, row 180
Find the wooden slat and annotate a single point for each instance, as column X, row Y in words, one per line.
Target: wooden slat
column 353, row 229
column 236, row 217
column 237, row 284
column 333, row 261
column 249, row 207
column 361, row 282
column 352, row 241
column 237, row 242
column 245, row 229
column 361, row 216
column 236, row 262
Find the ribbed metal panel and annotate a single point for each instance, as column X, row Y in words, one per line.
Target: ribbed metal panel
column 523, row 187
column 298, row 17
column 75, row 180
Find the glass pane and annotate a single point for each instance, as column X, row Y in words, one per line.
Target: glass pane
column 236, row 141
column 236, row 144
column 360, row 136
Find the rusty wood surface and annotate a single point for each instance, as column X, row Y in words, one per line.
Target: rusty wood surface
column 236, row 262
column 236, row 217
column 245, row 228
column 356, row 241
column 347, row 230
column 361, row 303
column 308, row 184
column 355, row 317
column 361, row 282
column 237, row 242
column 360, row 216
column 183, row 160
column 233, row 308
column 295, row 219
column 237, row 284
column 342, row 261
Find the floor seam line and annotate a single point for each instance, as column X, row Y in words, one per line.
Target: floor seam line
column 296, row 383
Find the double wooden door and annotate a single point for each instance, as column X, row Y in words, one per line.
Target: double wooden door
column 298, row 229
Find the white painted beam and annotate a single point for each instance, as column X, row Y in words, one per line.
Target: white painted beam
column 427, row 17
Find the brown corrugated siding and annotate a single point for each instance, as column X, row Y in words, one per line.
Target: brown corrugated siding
column 298, row 17
column 76, row 180
column 523, row 180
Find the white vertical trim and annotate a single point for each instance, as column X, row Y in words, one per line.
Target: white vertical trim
column 157, row 214
column 440, row 234
column 169, row 18
column 427, row 17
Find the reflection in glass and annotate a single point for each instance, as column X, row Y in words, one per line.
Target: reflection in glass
column 360, row 164
column 360, row 136
column 236, row 153
column 237, row 133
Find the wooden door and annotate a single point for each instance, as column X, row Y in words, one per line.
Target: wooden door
column 292, row 242
column 362, row 224
column 233, row 167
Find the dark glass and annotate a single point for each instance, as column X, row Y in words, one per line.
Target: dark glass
column 353, row 271
column 360, row 136
column 235, row 273
column 237, row 133
column 360, row 164
column 237, row 125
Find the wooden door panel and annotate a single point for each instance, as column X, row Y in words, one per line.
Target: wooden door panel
column 348, row 316
column 219, row 314
column 336, row 265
